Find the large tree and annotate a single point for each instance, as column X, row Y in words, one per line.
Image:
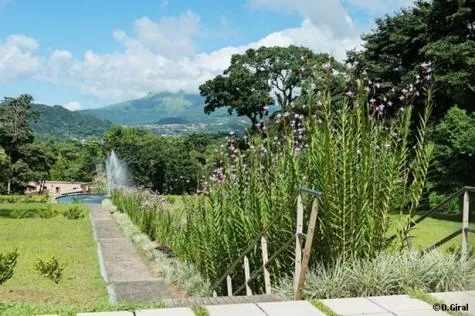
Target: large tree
column 14, row 130
column 440, row 32
column 260, row 78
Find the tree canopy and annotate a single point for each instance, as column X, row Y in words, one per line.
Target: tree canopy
column 259, row 78
column 440, row 33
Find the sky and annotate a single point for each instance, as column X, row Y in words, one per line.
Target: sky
column 89, row 53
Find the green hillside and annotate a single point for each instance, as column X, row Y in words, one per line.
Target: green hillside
column 161, row 108
column 59, row 123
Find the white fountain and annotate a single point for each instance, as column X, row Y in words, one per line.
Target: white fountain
column 116, row 172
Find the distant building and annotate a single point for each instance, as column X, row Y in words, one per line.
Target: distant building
column 54, row 188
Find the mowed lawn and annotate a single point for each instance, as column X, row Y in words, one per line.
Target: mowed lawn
column 70, row 241
column 431, row 230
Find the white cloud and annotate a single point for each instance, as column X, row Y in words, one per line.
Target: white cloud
column 138, row 69
column 17, row 58
column 169, row 36
column 332, row 15
column 380, row 6
column 72, row 106
column 329, row 15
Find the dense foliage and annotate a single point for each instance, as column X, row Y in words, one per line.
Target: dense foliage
column 56, row 122
column 387, row 274
column 363, row 163
column 439, row 31
column 25, row 161
column 248, row 85
column 164, row 164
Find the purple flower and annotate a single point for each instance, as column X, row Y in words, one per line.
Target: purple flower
column 349, row 94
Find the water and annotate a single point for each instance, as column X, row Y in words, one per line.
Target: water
column 82, row 198
column 116, row 172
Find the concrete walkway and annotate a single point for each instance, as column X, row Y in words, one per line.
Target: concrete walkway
column 297, row 308
column 377, row 306
column 128, row 277
column 401, row 305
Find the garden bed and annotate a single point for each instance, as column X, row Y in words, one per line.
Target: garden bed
column 70, row 241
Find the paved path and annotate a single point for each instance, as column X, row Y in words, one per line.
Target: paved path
column 128, row 277
column 400, row 304
column 376, row 306
column 296, row 308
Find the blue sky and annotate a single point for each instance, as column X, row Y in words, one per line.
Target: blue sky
column 88, row 53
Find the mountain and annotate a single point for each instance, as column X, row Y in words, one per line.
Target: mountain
column 169, row 113
column 57, row 122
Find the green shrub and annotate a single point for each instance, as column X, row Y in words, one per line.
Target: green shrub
column 23, row 213
column 387, row 274
column 23, row 198
column 74, row 212
column 452, row 207
column 7, row 265
column 50, row 269
column 48, row 212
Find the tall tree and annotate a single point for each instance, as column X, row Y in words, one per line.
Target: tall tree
column 240, row 89
column 14, row 130
column 441, row 32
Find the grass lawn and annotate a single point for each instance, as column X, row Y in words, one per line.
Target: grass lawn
column 70, row 241
column 431, row 230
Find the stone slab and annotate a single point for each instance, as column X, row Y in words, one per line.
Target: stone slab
column 122, row 261
column 99, row 213
column 400, row 303
column 235, row 310
column 107, row 314
column 107, row 228
column 421, row 313
column 300, row 308
column 180, row 311
column 353, row 306
column 460, row 298
column 375, row 314
column 471, row 293
column 140, row 291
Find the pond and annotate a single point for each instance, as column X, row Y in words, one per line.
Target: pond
column 82, row 198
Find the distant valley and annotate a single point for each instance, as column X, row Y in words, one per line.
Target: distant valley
column 171, row 114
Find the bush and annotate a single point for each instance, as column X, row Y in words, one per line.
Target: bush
column 387, row 274
column 74, row 212
column 453, row 207
column 50, row 269
column 23, row 198
column 7, row 265
column 23, row 213
column 47, row 212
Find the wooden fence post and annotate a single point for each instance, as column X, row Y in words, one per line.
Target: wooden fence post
column 265, row 258
column 466, row 210
column 230, row 285
column 308, row 249
column 298, row 245
column 247, row 275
